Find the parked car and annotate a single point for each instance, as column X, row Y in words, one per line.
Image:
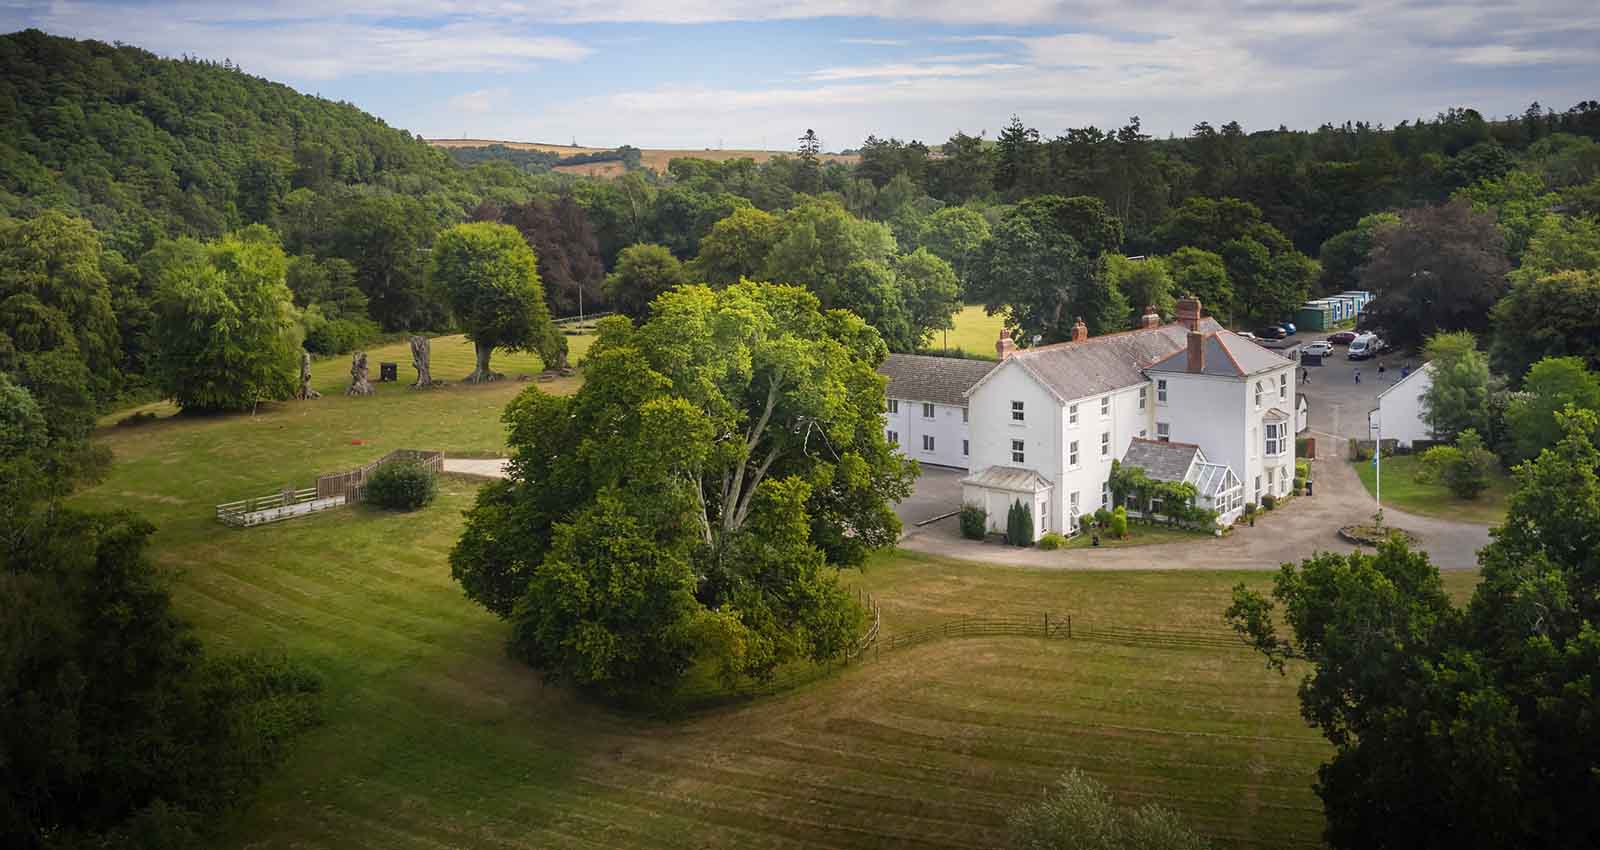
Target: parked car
column 1364, row 346
column 1247, row 335
column 1342, row 338
column 1288, row 328
column 1321, row 348
column 1271, row 332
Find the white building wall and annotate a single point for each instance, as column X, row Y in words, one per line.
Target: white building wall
column 1125, row 421
column 991, row 430
column 1220, row 416
column 1400, row 410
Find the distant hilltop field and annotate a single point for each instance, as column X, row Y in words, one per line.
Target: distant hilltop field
column 655, row 159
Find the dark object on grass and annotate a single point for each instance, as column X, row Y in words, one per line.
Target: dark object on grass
column 388, row 372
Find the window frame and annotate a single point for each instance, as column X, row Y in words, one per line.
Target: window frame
column 1164, row 432
column 1019, row 412
column 1105, row 406
column 892, row 436
column 927, row 442
column 1161, row 391
column 1019, row 451
column 1072, row 455
column 1259, row 393
column 1105, row 444
column 894, row 406
column 928, row 410
column 1072, row 415
column 1144, row 396
column 1283, row 386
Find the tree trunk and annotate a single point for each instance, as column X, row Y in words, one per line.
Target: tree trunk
column 482, row 374
column 421, row 348
column 306, row 392
column 358, row 375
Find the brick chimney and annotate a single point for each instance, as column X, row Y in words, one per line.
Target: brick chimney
column 1080, row 331
column 1197, row 352
column 1150, row 319
column 1004, row 346
column 1189, row 312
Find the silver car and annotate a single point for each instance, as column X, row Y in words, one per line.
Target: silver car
column 1321, row 348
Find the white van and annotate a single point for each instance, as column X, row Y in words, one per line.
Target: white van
column 1364, row 346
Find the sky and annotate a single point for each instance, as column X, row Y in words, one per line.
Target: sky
column 757, row 73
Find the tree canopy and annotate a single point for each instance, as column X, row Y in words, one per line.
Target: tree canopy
column 692, row 503
column 491, row 280
column 1439, row 269
column 643, row 272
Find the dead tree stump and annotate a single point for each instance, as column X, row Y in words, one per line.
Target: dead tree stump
column 421, row 348
column 359, row 385
column 306, row 392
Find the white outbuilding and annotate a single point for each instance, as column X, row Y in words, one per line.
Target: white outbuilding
column 1400, row 411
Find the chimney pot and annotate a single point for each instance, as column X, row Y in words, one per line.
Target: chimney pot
column 1197, row 352
column 1080, row 331
column 1150, row 319
column 1189, row 312
column 1004, row 346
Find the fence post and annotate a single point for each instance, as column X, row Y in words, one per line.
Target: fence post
column 1069, row 627
column 1047, row 625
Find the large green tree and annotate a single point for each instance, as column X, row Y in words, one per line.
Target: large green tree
column 1456, row 728
column 54, row 296
column 643, row 271
column 1345, row 252
column 736, row 248
column 1045, row 266
column 931, row 291
column 226, row 332
column 490, row 278
column 693, row 502
column 1143, row 283
column 1458, row 393
column 1202, row 274
column 1554, row 315
column 1552, row 386
column 957, row 234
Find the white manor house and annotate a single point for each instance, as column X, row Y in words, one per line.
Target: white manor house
column 1185, row 401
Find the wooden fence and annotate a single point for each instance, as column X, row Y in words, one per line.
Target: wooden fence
column 273, row 507
column 350, row 483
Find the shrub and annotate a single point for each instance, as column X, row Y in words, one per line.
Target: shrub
column 1249, row 509
column 1463, row 468
column 1268, row 502
column 974, row 521
column 401, row 486
column 1299, row 486
column 1102, row 517
column 1119, row 522
column 1019, row 524
column 1079, row 813
column 1302, row 469
column 1051, row 541
column 337, row 336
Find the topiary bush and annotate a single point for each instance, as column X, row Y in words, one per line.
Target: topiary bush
column 1102, row 517
column 1050, row 541
column 974, row 521
column 1119, row 522
column 1268, row 502
column 1019, row 524
column 401, row 486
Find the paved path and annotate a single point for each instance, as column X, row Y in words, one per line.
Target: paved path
column 1303, row 526
column 494, row 467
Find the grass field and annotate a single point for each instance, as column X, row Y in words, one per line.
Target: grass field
column 1402, row 490
column 655, row 159
column 974, row 332
column 1139, row 534
column 433, row 738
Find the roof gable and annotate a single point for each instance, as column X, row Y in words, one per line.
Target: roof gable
column 1227, row 355
column 941, row 380
column 1426, row 367
column 1100, row 364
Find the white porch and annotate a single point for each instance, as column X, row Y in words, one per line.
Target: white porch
column 997, row 488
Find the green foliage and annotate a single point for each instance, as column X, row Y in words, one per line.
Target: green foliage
column 54, row 296
column 335, row 336
column 1553, row 315
column 1019, row 524
column 931, row 291
column 1488, row 702
column 1464, row 468
column 642, row 272
column 401, row 486
column 1344, row 253
column 1045, row 267
column 1203, row 275
column 1051, row 541
column 957, row 235
column 974, row 521
column 1269, row 502
column 736, row 247
column 226, row 332
column 491, row 280
column 1457, row 398
column 1552, row 386
column 1119, row 522
column 693, row 502
column 1078, row 813
column 1142, row 283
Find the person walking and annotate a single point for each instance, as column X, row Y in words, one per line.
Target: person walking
column 1380, row 370
column 1358, row 376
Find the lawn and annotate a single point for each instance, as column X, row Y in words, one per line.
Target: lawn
column 433, row 738
column 1139, row 534
column 1402, row 490
column 975, row 333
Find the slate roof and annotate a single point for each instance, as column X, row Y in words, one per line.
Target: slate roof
column 1074, row 370
column 941, row 380
column 1227, row 355
column 1162, row 461
column 1012, row 478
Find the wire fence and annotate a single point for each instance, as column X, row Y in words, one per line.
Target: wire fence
column 876, row 641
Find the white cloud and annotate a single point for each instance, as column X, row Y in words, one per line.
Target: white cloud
column 1503, row 55
column 876, row 42
column 908, row 70
column 480, row 101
